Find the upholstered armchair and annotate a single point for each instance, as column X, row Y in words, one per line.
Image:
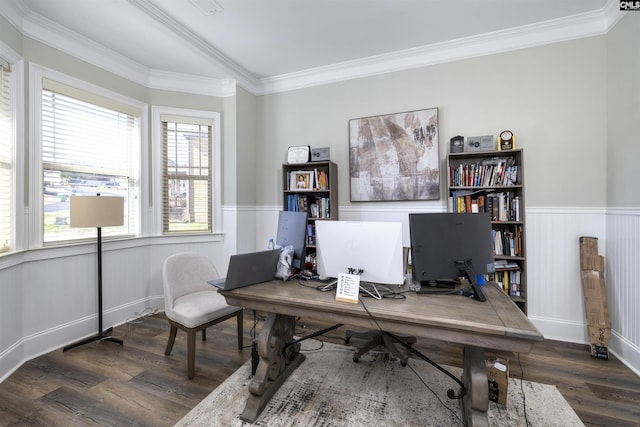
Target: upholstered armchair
column 191, row 304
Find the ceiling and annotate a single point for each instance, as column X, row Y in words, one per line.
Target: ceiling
column 257, row 42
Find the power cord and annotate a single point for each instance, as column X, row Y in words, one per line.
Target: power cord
column 524, row 397
column 450, row 393
column 137, row 317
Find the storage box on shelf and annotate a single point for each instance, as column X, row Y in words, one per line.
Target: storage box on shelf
column 312, row 188
column 493, row 181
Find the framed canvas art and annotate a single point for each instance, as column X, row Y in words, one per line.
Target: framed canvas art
column 395, row 157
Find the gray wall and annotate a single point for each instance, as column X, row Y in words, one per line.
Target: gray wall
column 623, row 112
column 552, row 97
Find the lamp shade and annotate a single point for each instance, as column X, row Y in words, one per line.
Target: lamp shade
column 97, row 211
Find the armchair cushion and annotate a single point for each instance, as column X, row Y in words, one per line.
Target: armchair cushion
column 197, row 308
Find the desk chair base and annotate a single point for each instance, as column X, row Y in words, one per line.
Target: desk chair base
column 380, row 339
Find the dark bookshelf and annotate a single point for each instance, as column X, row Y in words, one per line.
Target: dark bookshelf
column 318, row 197
column 493, row 181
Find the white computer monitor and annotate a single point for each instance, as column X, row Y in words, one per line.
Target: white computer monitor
column 374, row 247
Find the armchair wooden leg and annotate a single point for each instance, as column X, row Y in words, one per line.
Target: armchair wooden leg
column 204, row 334
column 172, row 339
column 191, row 353
column 240, row 329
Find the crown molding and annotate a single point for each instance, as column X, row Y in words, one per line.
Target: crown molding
column 165, row 80
column 52, row 34
column 553, row 31
column 232, row 68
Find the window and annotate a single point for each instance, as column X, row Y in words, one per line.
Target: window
column 187, row 147
column 90, row 144
column 6, row 158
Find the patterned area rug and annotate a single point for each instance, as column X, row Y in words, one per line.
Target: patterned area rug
column 329, row 389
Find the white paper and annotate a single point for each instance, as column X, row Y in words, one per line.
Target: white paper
column 348, row 287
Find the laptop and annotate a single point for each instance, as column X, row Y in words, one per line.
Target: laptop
column 248, row 269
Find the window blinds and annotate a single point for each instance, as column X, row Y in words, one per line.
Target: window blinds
column 6, row 158
column 88, row 147
column 186, row 183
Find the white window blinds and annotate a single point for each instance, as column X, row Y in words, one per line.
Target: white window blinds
column 186, row 175
column 7, row 189
column 89, row 146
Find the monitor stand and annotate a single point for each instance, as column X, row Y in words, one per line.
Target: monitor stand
column 473, row 290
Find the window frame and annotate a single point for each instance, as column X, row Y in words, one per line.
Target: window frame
column 215, row 158
column 17, row 150
column 36, row 75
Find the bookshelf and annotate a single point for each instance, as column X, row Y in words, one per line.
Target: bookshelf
column 493, row 181
column 312, row 188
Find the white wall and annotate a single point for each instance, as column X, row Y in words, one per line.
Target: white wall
column 622, row 270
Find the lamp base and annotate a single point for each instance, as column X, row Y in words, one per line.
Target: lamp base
column 102, row 336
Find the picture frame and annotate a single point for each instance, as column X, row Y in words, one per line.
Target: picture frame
column 301, row 181
column 394, row 157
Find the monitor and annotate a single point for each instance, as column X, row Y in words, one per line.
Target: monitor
column 445, row 246
column 292, row 230
column 373, row 247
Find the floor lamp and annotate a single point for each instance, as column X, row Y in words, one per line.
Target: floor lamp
column 97, row 211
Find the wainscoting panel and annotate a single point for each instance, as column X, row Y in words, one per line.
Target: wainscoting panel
column 553, row 268
column 622, row 272
column 555, row 300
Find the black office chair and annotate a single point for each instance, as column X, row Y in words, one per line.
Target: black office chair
column 375, row 339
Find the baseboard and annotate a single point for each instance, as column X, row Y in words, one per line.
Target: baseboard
column 553, row 329
column 37, row 344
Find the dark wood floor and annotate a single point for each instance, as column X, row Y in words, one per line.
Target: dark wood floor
column 104, row 384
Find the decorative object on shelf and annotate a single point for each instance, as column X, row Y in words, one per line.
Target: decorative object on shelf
column 395, row 157
column 456, row 144
column 298, row 154
column 97, row 211
column 480, row 143
column 320, row 154
column 506, row 140
column 301, row 181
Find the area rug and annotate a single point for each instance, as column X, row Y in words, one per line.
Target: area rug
column 329, row 389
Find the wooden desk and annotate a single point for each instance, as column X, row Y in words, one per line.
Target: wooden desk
column 495, row 324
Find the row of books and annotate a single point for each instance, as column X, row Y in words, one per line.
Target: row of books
column 507, row 242
column 316, row 207
column 297, row 203
column 494, row 172
column 509, row 281
column 311, row 234
column 322, row 179
column 503, row 206
column 320, row 208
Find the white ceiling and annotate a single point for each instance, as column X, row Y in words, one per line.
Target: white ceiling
column 257, row 42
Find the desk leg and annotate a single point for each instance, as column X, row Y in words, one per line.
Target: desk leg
column 276, row 363
column 474, row 377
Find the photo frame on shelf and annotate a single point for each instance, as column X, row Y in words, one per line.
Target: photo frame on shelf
column 301, row 181
column 394, row 157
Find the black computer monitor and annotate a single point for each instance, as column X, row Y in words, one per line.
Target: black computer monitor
column 292, row 230
column 446, row 246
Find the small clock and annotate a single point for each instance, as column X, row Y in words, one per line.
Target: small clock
column 506, row 140
column 298, row 154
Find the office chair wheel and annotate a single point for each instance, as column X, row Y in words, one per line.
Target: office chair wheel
column 403, row 363
column 347, row 339
column 356, row 358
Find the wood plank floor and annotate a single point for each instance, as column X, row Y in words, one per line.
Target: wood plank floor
column 104, row 384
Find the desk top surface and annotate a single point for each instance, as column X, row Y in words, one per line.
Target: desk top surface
column 497, row 323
